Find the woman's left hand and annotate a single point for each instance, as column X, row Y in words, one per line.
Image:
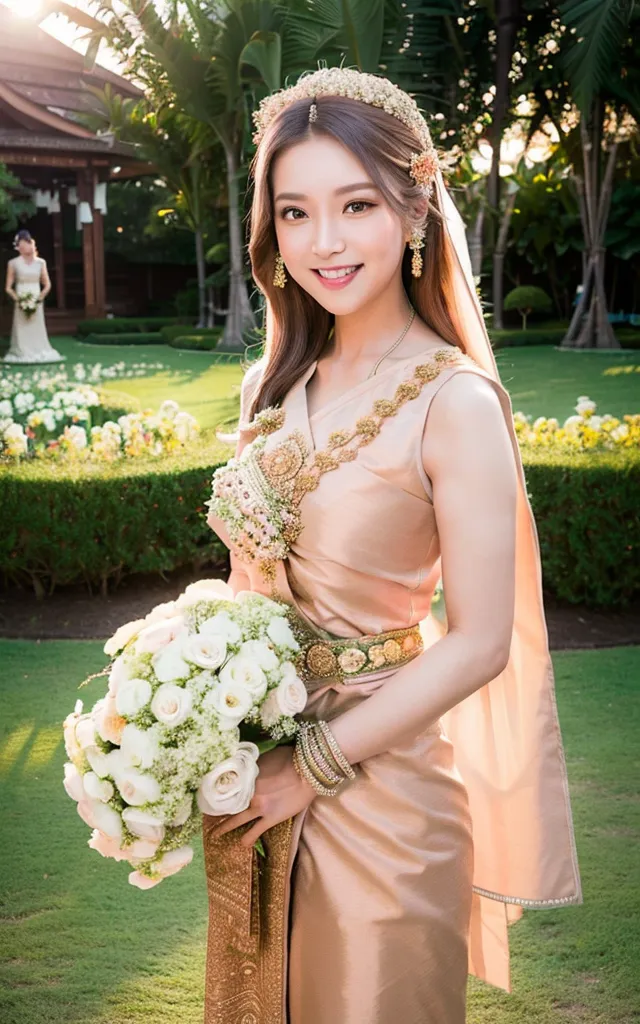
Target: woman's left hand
column 280, row 793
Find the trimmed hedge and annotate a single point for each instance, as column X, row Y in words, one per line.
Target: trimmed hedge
column 178, row 330
column 91, row 523
column 125, row 325
column 197, row 342
column 513, row 337
column 66, row 523
column 136, row 338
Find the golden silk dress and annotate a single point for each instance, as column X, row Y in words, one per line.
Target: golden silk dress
column 373, row 905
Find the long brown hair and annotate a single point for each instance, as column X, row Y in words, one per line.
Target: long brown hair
column 297, row 326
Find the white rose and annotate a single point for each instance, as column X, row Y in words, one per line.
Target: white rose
column 143, row 824
column 122, row 636
column 141, row 850
column 121, row 672
column 222, row 625
column 205, row 590
column 109, row 724
column 137, row 787
column 168, row 664
column 280, row 632
column 132, row 696
column 205, row 649
column 172, row 704
column 85, row 731
column 229, row 787
column 231, row 701
column 161, row 611
column 73, row 782
column 104, row 764
column 106, row 846
column 245, row 672
column 96, row 788
column 291, row 693
column 156, row 636
column 168, row 864
column 139, row 747
column 72, row 747
column 99, row 815
column 265, row 656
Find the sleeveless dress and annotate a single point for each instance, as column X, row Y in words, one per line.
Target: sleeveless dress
column 29, row 340
column 404, row 881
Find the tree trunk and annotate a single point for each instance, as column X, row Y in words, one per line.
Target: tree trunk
column 240, row 318
column 590, row 327
column 474, row 239
column 508, row 13
column 202, row 289
column 498, row 260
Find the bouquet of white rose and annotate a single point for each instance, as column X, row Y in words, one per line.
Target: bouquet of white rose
column 27, row 303
column 197, row 690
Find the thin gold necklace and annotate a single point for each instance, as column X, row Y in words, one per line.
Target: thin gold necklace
column 395, row 344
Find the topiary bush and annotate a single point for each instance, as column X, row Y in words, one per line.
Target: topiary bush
column 124, row 325
column 137, row 338
column 96, row 523
column 527, row 298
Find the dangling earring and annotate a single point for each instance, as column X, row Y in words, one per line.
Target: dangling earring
column 415, row 244
column 279, row 276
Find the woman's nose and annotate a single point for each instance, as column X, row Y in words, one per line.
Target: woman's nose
column 327, row 240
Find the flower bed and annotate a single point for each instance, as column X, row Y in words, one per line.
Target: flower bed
column 44, row 415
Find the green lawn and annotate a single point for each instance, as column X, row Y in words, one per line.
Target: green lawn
column 541, row 380
column 79, row 945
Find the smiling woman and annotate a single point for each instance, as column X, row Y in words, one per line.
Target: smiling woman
column 377, row 452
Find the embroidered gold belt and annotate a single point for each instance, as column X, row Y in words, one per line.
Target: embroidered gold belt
column 347, row 659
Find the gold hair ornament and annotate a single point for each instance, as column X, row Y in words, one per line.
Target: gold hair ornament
column 367, row 88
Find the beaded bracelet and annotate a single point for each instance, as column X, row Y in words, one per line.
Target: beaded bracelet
column 309, row 755
column 327, row 764
column 336, row 751
column 307, row 775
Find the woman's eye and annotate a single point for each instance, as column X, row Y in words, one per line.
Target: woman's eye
column 293, row 210
column 362, row 203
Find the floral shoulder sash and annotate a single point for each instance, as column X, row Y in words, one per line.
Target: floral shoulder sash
column 258, row 494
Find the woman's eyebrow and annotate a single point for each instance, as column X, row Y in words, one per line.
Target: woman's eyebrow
column 338, row 192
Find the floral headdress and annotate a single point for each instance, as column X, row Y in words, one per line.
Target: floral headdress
column 357, row 85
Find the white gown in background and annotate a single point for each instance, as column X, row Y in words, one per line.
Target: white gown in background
column 29, row 341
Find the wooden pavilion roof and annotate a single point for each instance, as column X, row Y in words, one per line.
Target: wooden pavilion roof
column 44, row 86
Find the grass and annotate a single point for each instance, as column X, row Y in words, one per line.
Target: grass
column 79, row 945
column 541, row 380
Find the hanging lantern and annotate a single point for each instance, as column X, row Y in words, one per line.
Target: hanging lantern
column 85, row 215
column 100, row 197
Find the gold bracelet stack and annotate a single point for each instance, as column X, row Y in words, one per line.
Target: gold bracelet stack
column 318, row 759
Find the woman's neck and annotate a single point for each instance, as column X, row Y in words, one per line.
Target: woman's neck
column 367, row 333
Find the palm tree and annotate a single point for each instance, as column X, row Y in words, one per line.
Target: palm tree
column 601, row 61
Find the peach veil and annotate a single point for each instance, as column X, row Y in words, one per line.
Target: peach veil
column 506, row 735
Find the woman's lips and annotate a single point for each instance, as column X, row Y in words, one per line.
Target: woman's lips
column 337, row 282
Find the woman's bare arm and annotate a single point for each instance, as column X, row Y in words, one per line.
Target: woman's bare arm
column 45, row 282
column 10, row 281
column 468, row 456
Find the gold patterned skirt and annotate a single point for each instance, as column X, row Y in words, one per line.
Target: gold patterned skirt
column 359, row 913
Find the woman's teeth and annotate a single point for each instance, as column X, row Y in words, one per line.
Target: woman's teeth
column 331, row 274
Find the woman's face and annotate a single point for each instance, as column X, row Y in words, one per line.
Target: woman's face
column 331, row 220
column 25, row 247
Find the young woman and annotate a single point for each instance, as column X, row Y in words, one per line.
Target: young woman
column 27, row 275
column 426, row 802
